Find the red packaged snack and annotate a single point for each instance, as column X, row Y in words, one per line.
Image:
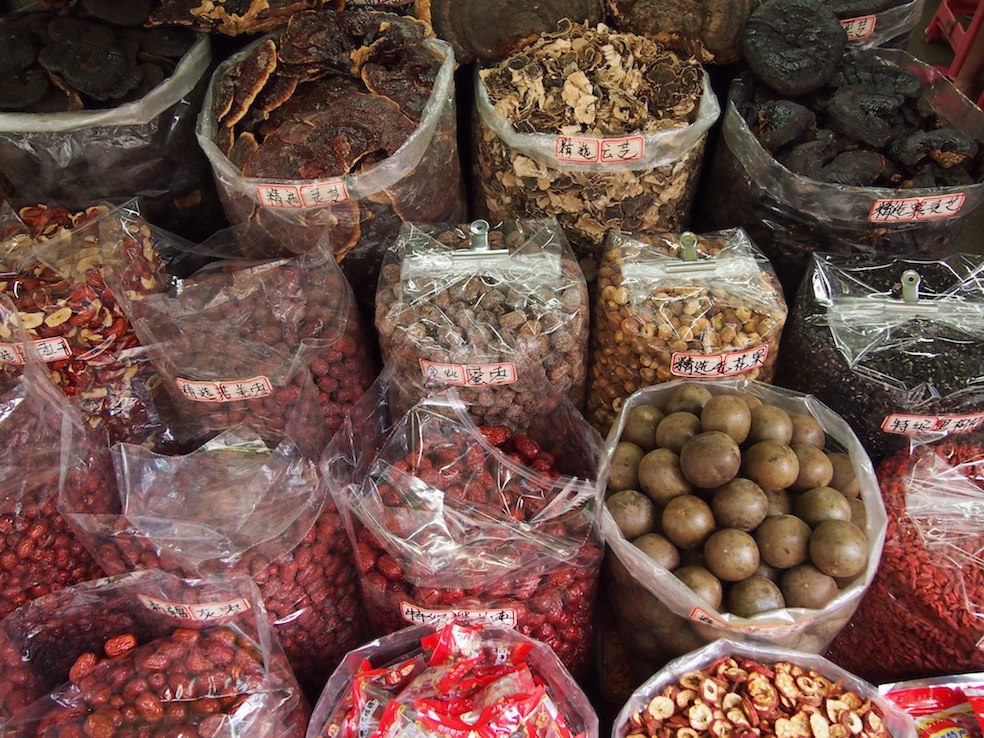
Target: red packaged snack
column 946, row 705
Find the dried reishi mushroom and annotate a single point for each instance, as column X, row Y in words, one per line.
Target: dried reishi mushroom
column 946, row 146
column 709, row 29
column 100, row 73
column 20, row 91
column 488, row 31
column 859, row 168
column 793, row 46
column 234, row 17
column 129, row 13
column 782, row 121
column 407, row 83
column 242, row 83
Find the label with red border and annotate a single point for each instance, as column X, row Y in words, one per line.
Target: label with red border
column 199, row 612
column 599, row 150
column 291, row 197
column 700, row 615
column 907, row 425
column 504, row 617
column 469, row 375
column 233, row 391
column 718, row 365
column 50, row 349
column 861, row 27
column 916, row 208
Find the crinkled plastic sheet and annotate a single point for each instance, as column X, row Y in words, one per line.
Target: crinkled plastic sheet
column 893, row 26
column 898, row 723
column 804, row 629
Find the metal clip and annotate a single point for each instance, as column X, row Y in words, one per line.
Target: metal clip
column 689, row 263
column 479, row 230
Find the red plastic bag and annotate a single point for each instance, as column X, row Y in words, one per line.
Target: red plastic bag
column 945, row 705
column 120, row 656
column 479, row 525
column 241, row 504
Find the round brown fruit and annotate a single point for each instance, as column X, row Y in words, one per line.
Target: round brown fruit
column 779, row 502
column 783, row 541
column 770, row 423
column 844, row 479
column 770, row 464
column 807, row 586
column 710, row 459
column 753, row 596
column 731, row 554
column 815, row 469
column 687, row 521
column 640, row 426
column 634, row 513
column 688, row 398
column 819, row 504
column 660, row 476
column 676, row 429
column 624, row 469
column 807, row 430
column 705, row 585
column 838, row 548
column 740, row 504
column 659, row 549
column 859, row 513
column 728, row 414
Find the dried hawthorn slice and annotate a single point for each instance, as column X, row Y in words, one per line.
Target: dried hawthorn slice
column 859, row 168
column 793, row 46
column 242, row 82
column 129, row 13
column 781, row 122
column 409, row 83
column 946, row 146
column 101, row 73
column 21, row 91
column 244, row 148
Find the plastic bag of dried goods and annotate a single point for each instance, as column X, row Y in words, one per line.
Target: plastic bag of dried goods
column 681, row 305
column 53, row 265
column 759, row 685
column 796, row 189
column 599, row 145
column 425, row 681
column 754, row 517
column 240, row 503
column 929, row 590
column 122, row 128
column 466, row 305
column 894, row 345
column 480, row 524
column 125, row 654
column 882, row 23
column 226, row 338
column 349, row 142
column 951, row 702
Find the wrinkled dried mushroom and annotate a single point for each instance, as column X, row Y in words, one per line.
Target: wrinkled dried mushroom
column 234, row 17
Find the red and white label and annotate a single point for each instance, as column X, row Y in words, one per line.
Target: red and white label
column 199, row 613
column 718, row 365
column 236, row 390
column 504, row 617
column 861, row 27
column 599, row 150
column 50, row 349
column 307, row 196
column 916, row 208
column 469, row 375
column 906, row 425
column 700, row 615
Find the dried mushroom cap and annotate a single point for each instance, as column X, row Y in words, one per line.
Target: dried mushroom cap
column 780, row 122
column 408, row 82
column 709, row 29
column 597, row 82
column 20, row 91
column 65, row 29
column 244, row 148
column 308, row 99
column 275, row 93
column 18, row 50
column 858, row 168
column 242, row 82
column 234, row 17
column 101, row 73
column 129, row 13
column 172, row 43
column 488, row 31
column 793, row 46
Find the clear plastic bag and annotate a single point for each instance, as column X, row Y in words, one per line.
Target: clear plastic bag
column 928, row 596
column 897, row 723
column 889, row 28
column 894, row 357
column 145, row 148
column 659, row 316
column 952, row 702
column 225, row 339
column 238, row 504
column 790, row 216
column 360, row 213
column 641, row 182
column 491, row 665
column 466, row 307
column 489, row 525
column 124, row 653
column 659, row 617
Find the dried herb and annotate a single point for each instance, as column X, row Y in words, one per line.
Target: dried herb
column 234, row 17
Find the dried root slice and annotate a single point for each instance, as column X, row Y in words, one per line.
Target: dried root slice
column 793, row 46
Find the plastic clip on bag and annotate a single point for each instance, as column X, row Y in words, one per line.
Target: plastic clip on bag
column 928, row 595
column 634, row 168
column 143, row 148
column 489, row 524
column 454, row 680
column 240, row 504
column 894, row 346
column 665, row 605
column 271, row 166
column 767, row 687
column 125, row 655
column 671, row 306
column 790, row 215
column 467, row 306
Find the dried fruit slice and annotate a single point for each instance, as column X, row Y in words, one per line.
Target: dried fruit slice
column 793, row 46
column 242, row 82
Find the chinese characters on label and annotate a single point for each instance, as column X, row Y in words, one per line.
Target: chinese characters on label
column 599, row 150
column 212, row 611
column 718, row 365
column 915, row 424
column 916, row 208
column 50, row 349
column 860, row 27
column 701, row 615
column 308, row 196
column 502, row 618
column 465, row 375
column 243, row 389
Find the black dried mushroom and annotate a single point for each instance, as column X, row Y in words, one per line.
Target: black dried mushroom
column 20, row 91
column 946, row 146
column 858, row 168
column 99, row 72
column 781, row 122
column 128, row 13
